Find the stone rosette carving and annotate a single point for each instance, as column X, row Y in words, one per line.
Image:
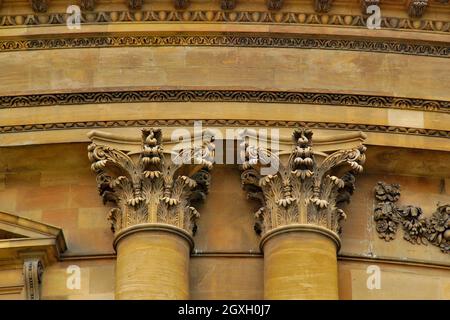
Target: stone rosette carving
column 152, row 187
column 305, row 190
column 417, row 229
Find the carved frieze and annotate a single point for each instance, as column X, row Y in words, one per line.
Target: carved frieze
column 417, row 229
column 151, row 188
column 33, row 270
column 39, row 6
column 416, row 8
column 304, row 190
column 322, row 5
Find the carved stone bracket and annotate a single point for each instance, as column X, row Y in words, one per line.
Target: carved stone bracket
column 416, row 228
column 153, row 186
column 135, row 4
column 33, row 270
column 228, row 4
column 274, row 4
column 181, row 4
column 39, row 6
column 322, row 5
column 367, row 3
column 310, row 189
column 88, row 5
column 416, row 8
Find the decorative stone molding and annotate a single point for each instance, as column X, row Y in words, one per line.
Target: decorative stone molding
column 228, row 4
column 315, row 98
column 224, row 122
column 416, row 8
column 88, row 5
column 305, row 190
column 274, row 4
column 322, row 5
column 33, row 270
column 149, row 188
column 39, row 6
column 237, row 40
column 220, row 16
column 416, row 228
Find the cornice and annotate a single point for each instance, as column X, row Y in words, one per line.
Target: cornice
column 419, row 48
column 235, row 96
column 224, row 122
column 194, row 15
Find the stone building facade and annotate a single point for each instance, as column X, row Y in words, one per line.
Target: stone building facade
column 95, row 202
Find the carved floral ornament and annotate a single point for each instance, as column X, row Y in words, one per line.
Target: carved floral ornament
column 305, row 190
column 416, row 228
column 153, row 186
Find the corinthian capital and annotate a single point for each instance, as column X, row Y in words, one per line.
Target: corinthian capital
column 309, row 188
column 153, row 185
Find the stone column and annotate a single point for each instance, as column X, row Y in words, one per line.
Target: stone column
column 300, row 215
column 153, row 218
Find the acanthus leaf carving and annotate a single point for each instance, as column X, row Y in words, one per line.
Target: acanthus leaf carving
column 417, row 229
column 151, row 189
column 303, row 191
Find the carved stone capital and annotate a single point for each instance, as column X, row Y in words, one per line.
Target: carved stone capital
column 309, row 187
column 416, row 8
column 39, row 6
column 33, row 270
column 322, row 5
column 154, row 186
column 417, row 229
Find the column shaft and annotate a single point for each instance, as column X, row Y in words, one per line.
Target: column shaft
column 300, row 265
column 152, row 265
